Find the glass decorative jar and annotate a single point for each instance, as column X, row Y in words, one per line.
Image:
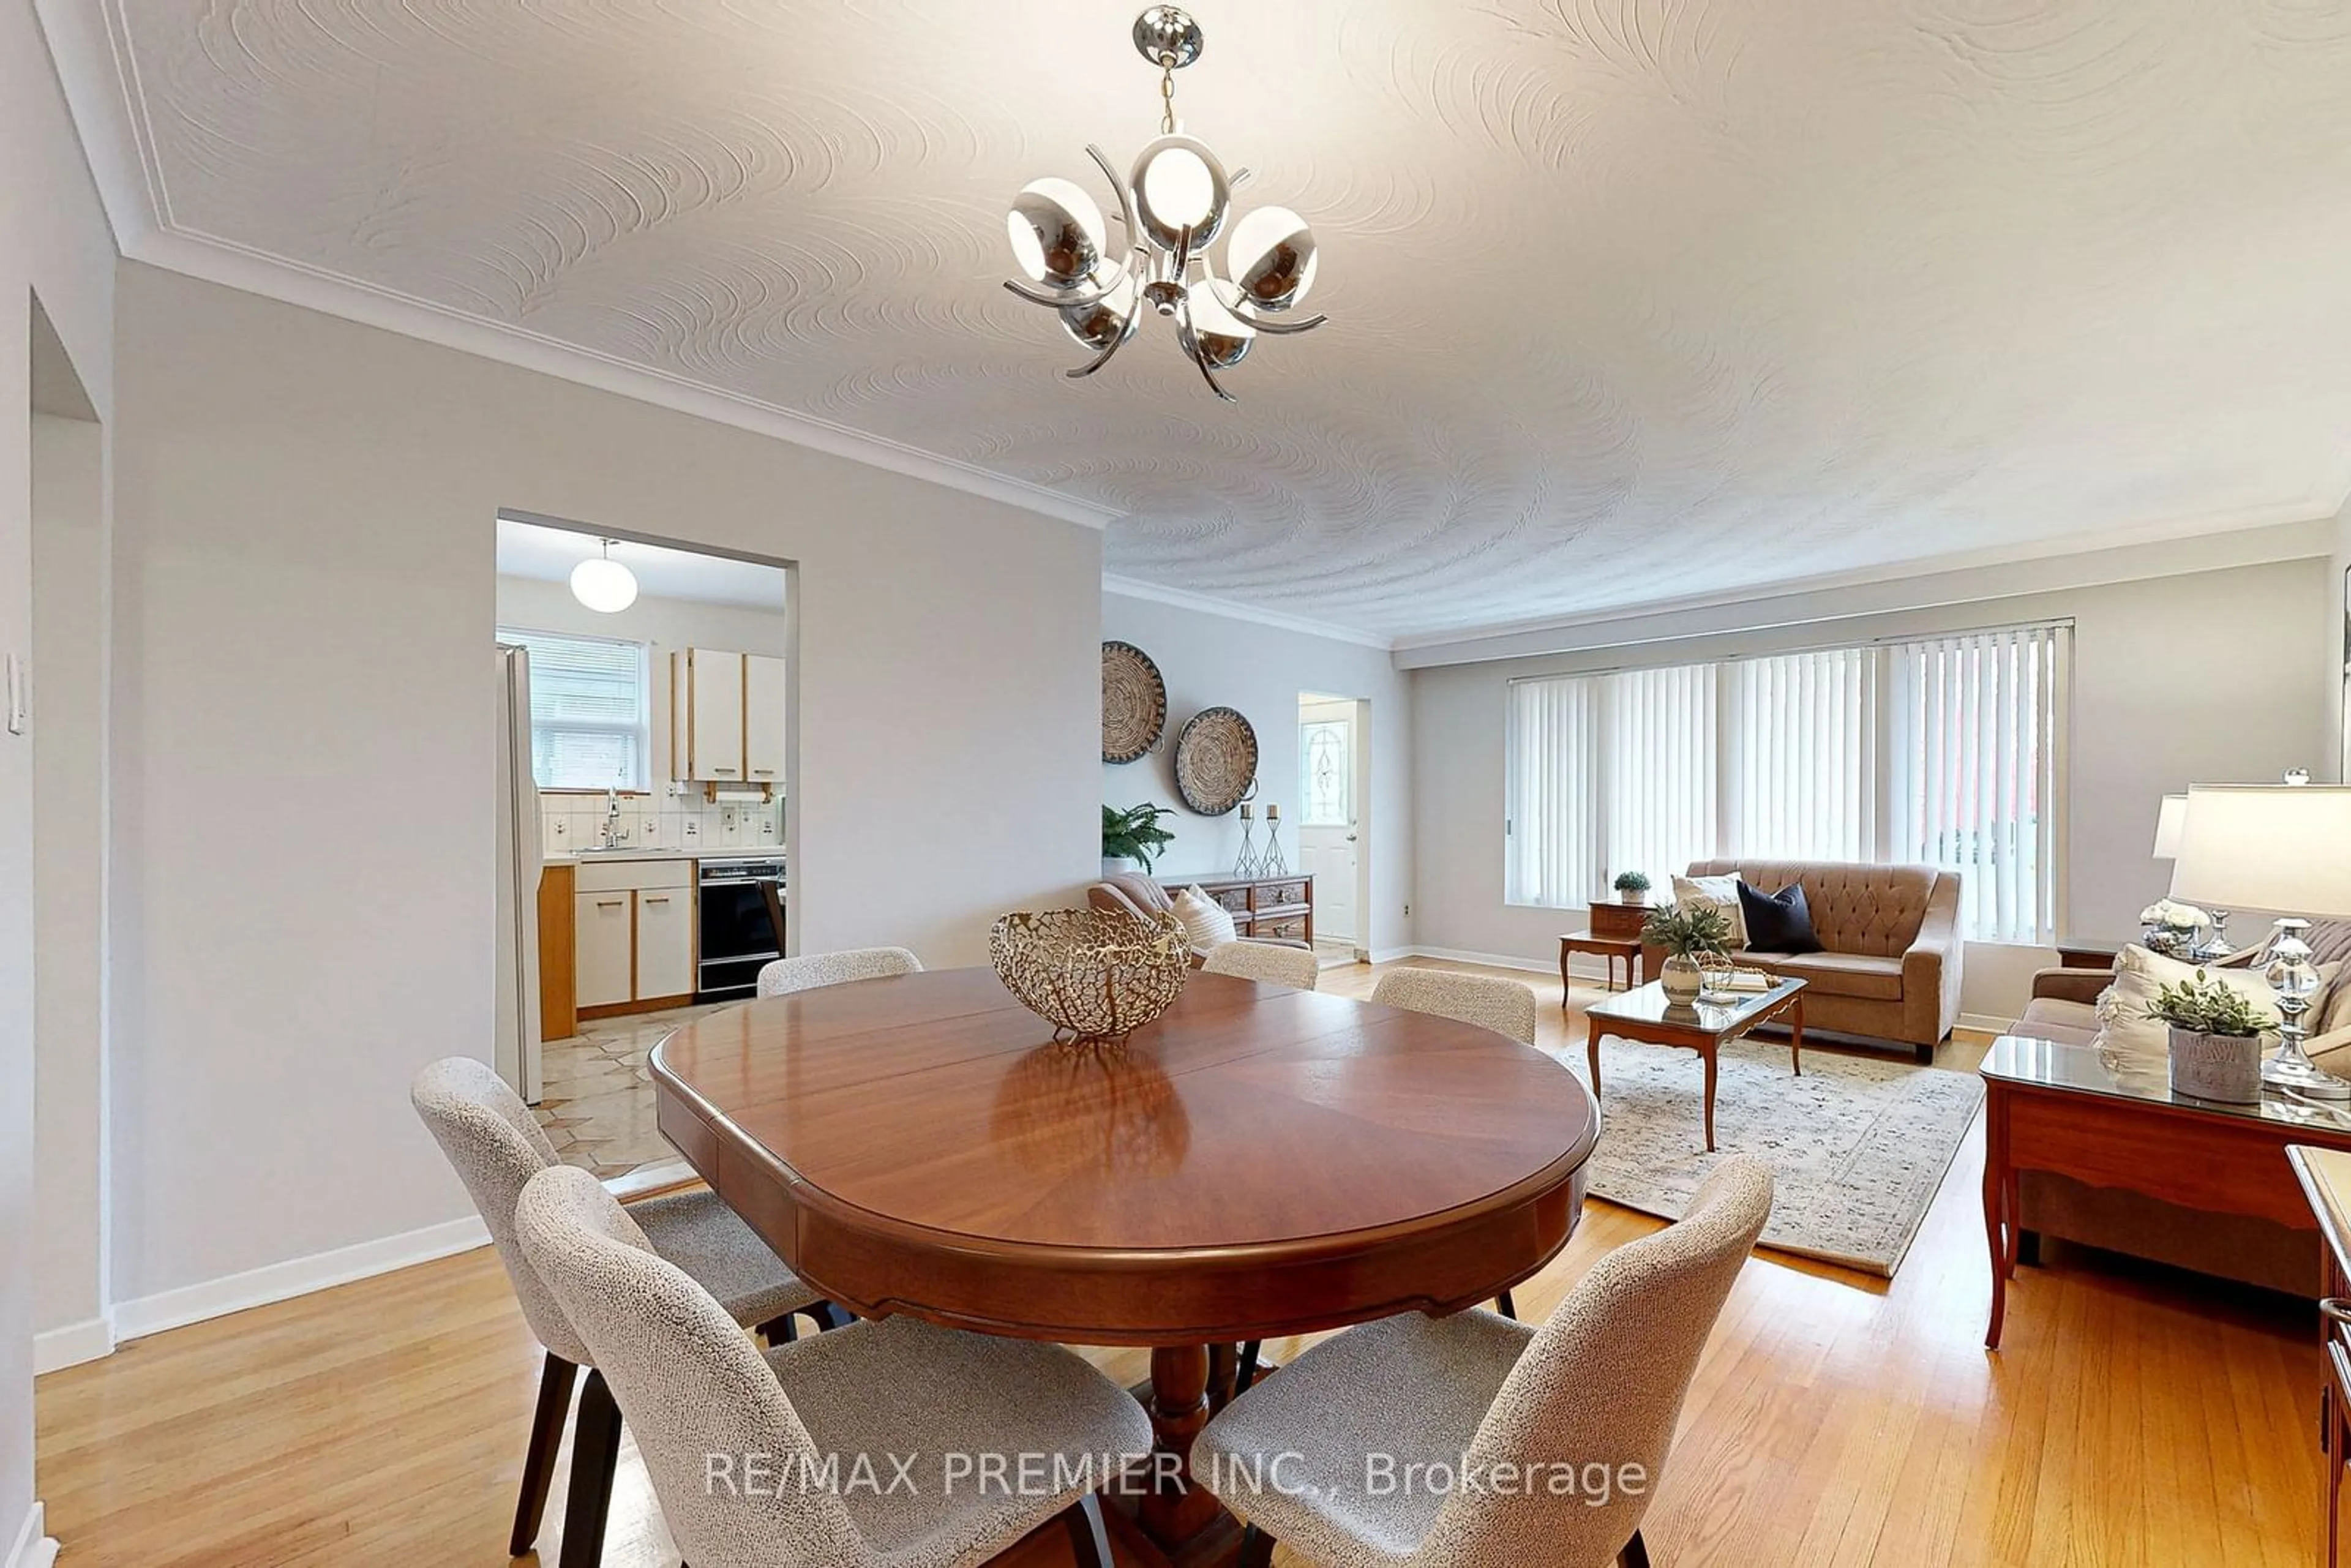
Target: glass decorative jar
column 1683, row 977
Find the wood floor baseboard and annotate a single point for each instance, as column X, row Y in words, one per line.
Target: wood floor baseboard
column 295, row 1277
column 56, row 1349
column 32, row 1547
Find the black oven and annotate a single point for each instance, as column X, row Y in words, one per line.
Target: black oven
column 738, row 932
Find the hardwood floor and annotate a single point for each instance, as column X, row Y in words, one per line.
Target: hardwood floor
column 2135, row 1417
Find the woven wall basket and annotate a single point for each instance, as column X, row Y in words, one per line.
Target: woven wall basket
column 1215, row 761
column 1135, row 703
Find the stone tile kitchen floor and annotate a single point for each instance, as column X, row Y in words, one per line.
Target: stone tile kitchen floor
column 597, row 1095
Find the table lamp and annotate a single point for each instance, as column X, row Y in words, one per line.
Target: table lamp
column 2213, row 941
column 2277, row 847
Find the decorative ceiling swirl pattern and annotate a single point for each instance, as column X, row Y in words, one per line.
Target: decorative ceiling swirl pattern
column 1632, row 300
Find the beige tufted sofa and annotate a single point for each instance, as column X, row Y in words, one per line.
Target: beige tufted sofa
column 1891, row 970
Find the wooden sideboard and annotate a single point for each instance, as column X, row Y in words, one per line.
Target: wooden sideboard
column 1275, row 906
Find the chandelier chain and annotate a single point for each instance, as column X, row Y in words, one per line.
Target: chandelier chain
column 1167, row 95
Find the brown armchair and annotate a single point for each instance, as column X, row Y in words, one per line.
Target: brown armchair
column 1127, row 893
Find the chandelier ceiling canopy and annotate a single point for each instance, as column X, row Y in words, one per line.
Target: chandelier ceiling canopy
column 1173, row 206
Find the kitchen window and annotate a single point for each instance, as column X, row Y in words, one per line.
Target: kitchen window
column 591, row 710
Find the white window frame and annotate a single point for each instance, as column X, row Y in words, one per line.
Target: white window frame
column 640, row 727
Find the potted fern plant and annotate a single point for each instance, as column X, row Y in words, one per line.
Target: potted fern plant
column 1686, row 931
column 1133, row 837
column 1631, row 886
column 2216, row 1039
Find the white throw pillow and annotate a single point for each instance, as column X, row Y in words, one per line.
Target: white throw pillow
column 1207, row 923
column 1718, row 892
column 2140, row 974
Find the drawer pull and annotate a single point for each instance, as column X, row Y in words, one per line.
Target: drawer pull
column 2336, row 1310
column 611, row 902
column 662, row 899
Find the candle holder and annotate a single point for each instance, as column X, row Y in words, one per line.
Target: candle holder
column 1246, row 867
column 1270, row 863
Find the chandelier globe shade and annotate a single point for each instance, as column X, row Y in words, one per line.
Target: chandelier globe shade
column 603, row 584
column 1174, row 204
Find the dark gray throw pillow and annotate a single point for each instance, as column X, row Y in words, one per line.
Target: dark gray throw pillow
column 1778, row 922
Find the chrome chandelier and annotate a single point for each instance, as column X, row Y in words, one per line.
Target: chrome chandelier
column 1173, row 206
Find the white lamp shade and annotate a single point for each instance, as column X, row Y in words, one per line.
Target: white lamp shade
column 605, row 585
column 2278, row 848
column 2167, row 827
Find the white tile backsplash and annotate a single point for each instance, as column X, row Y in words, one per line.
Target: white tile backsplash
column 660, row 822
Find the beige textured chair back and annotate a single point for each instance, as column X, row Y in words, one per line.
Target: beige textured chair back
column 496, row 1145
column 1873, row 910
column 1504, row 1006
column 786, row 975
column 1296, row 968
column 689, row 1383
column 1604, row 1381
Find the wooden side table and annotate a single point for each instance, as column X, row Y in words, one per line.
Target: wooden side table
column 1611, row 949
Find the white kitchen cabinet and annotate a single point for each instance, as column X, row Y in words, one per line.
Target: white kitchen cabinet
column 605, row 947
column 664, row 942
column 763, row 720
column 709, row 694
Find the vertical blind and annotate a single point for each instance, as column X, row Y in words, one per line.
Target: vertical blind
column 589, row 713
column 1941, row 750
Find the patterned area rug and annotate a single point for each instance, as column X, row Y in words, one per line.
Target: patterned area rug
column 1859, row 1143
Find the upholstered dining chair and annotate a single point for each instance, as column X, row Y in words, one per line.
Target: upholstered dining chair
column 785, row 976
column 496, row 1145
column 1296, row 968
column 705, row 1406
column 1506, row 1007
column 1591, row 1396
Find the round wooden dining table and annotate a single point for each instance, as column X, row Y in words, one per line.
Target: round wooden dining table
column 1257, row 1162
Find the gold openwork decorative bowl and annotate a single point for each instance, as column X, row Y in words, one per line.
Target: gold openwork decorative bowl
column 1090, row 973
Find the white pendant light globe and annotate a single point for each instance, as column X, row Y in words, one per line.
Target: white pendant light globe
column 603, row 584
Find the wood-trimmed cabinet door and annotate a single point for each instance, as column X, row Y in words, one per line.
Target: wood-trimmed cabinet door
column 664, row 942
column 604, row 947
column 764, row 716
column 714, row 707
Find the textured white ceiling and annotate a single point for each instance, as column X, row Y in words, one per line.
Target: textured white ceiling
column 1632, row 300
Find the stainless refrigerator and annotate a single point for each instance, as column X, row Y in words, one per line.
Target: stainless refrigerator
column 520, row 857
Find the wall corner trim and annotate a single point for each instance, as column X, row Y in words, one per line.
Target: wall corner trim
column 32, row 1547
column 1234, row 610
column 295, row 1277
column 56, row 1349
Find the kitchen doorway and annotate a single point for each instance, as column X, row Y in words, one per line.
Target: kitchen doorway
column 1333, row 820
column 644, row 787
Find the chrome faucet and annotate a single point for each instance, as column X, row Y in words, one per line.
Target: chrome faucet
column 612, row 819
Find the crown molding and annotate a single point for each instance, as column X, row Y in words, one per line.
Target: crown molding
column 1234, row 610
column 100, row 75
column 2172, row 550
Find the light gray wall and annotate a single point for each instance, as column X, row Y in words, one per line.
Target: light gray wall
column 54, row 241
column 665, row 625
column 69, row 573
column 294, row 495
column 2336, row 661
column 1212, row 660
column 2205, row 677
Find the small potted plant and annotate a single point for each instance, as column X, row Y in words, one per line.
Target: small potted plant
column 2216, row 1039
column 1632, row 887
column 1686, row 931
column 1131, row 838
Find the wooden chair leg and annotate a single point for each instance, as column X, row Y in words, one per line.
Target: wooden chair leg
column 555, row 1380
column 780, row 1330
column 1506, row 1307
column 1257, row 1548
column 1636, row 1554
column 1246, row 1374
column 1089, row 1542
column 595, row 1455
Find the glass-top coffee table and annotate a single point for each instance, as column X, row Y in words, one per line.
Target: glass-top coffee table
column 1705, row 1026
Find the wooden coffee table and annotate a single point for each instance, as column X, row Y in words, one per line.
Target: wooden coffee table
column 1643, row 1014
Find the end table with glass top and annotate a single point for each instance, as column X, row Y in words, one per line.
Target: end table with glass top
column 1705, row 1026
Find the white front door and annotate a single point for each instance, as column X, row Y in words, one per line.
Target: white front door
column 1327, row 839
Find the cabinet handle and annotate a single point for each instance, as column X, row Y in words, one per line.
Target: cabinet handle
column 663, row 899
column 764, row 772
column 715, row 772
column 611, row 902
column 2336, row 1309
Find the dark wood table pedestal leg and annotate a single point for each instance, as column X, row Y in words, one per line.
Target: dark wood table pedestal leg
column 1175, row 1509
